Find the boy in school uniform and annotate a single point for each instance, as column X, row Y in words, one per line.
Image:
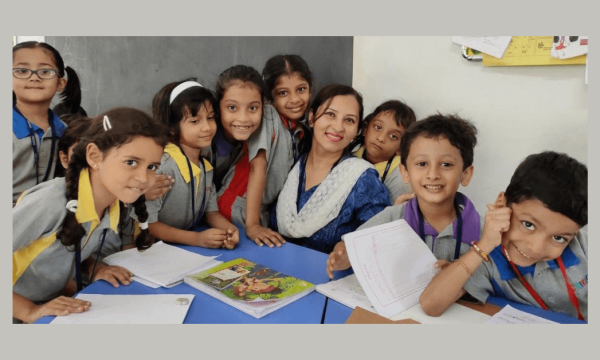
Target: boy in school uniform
column 436, row 157
column 534, row 244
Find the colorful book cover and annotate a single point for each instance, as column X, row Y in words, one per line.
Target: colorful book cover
column 246, row 281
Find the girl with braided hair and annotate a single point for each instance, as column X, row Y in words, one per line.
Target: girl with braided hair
column 59, row 226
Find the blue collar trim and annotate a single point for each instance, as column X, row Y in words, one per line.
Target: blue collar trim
column 21, row 130
column 506, row 272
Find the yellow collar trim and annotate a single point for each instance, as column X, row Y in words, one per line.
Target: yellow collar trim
column 175, row 152
column 380, row 166
column 86, row 209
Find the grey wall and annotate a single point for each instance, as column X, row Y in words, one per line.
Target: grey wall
column 128, row 71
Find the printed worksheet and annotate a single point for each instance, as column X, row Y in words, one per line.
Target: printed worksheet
column 510, row 315
column 393, row 265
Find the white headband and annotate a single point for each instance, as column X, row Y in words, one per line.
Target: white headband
column 180, row 88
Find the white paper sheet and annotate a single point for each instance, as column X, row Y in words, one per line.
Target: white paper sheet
column 491, row 45
column 455, row 314
column 130, row 309
column 161, row 264
column 392, row 264
column 510, row 315
column 348, row 292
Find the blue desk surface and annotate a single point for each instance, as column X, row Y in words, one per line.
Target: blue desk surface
column 291, row 259
column 337, row 313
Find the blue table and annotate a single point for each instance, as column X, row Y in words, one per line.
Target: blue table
column 337, row 313
column 291, row 259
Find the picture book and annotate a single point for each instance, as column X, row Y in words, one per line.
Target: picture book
column 250, row 287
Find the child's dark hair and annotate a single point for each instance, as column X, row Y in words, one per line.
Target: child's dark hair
column 188, row 102
column 127, row 124
column 63, row 110
column 403, row 115
column 77, row 126
column 557, row 180
column 71, row 94
column 241, row 73
column 280, row 65
column 324, row 98
column 462, row 134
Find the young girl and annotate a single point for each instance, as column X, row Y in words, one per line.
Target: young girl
column 289, row 87
column 382, row 131
column 38, row 74
column 437, row 157
column 187, row 110
column 115, row 161
column 329, row 193
column 248, row 152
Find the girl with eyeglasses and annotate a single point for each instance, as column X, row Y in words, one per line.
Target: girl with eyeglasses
column 38, row 74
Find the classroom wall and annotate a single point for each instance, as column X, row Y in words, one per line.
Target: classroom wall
column 128, row 71
column 517, row 110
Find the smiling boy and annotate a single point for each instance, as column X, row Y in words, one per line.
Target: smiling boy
column 436, row 158
column 536, row 238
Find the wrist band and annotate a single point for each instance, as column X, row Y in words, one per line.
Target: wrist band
column 465, row 266
column 479, row 251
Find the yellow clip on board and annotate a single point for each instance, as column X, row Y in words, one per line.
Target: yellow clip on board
column 529, row 51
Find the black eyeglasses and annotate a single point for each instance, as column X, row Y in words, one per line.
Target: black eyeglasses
column 23, row 73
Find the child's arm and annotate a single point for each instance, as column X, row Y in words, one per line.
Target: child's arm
column 215, row 220
column 254, row 194
column 404, row 198
column 28, row 312
column 447, row 286
column 211, row 238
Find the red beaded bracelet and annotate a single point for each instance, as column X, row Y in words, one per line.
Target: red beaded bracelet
column 483, row 255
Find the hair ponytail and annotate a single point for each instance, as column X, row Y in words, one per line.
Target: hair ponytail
column 144, row 239
column 71, row 95
column 71, row 232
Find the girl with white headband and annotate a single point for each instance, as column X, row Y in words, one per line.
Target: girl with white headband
column 187, row 110
column 115, row 161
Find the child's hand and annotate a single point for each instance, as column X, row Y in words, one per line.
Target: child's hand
column 114, row 275
column 404, row 198
column 60, row 306
column 211, row 238
column 264, row 235
column 497, row 221
column 161, row 186
column 338, row 259
column 233, row 238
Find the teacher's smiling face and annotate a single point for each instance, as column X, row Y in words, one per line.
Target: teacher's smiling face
column 335, row 125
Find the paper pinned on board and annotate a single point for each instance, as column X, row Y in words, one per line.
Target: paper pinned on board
column 510, row 315
column 491, row 45
column 566, row 47
column 131, row 309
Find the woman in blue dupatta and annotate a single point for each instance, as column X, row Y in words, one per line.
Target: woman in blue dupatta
column 329, row 192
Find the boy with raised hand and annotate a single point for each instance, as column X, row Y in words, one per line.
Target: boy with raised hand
column 533, row 246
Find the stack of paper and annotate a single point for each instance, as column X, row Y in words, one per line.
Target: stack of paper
column 252, row 288
column 131, row 309
column 161, row 265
